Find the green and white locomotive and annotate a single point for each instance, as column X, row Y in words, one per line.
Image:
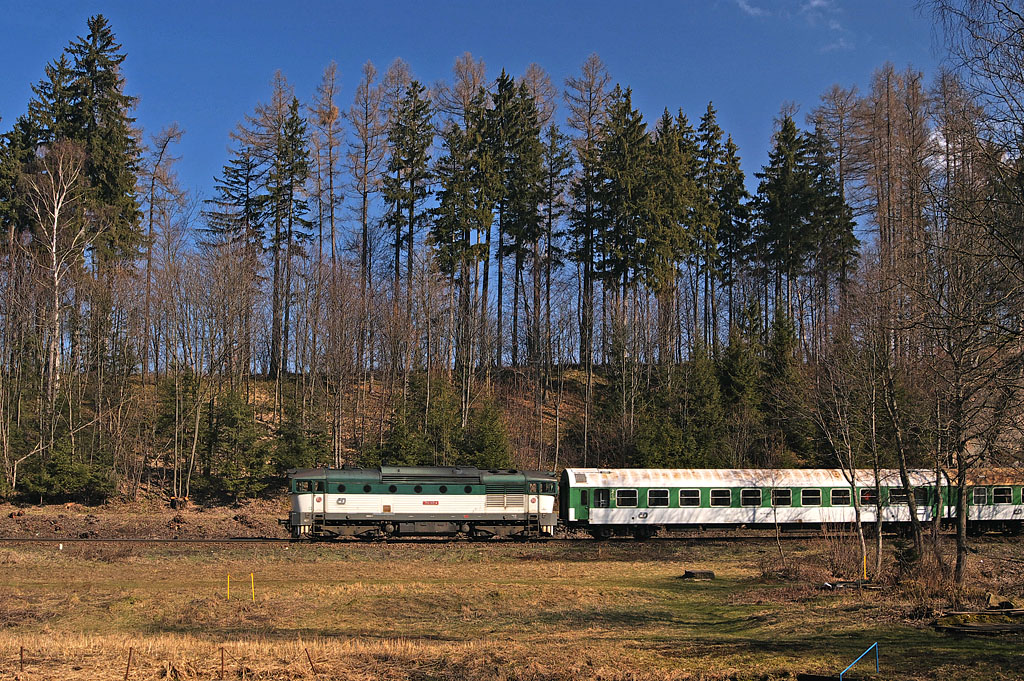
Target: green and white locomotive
column 418, row 501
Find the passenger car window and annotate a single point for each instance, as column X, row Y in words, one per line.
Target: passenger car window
column 782, row 497
column 657, row 497
column 625, row 498
column 869, row 496
column 721, row 497
column 750, row 497
column 979, row 496
column 840, row 497
column 897, row 495
column 1002, row 495
column 922, row 496
column 602, row 498
column 689, row 497
column 810, row 497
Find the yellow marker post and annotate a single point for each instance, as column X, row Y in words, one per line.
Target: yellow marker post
column 252, row 579
column 229, row 586
column 865, row 567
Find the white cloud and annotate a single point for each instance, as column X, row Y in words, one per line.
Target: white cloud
column 841, row 44
column 751, row 10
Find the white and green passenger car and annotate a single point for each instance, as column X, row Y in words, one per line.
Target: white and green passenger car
column 417, row 501
column 608, row 502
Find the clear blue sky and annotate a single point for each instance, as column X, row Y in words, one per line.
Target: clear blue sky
column 206, row 64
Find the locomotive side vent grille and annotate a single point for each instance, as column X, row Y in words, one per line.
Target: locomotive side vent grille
column 504, row 496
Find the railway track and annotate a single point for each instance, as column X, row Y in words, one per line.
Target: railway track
column 677, row 539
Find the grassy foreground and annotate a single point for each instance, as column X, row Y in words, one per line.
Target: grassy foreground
column 616, row 610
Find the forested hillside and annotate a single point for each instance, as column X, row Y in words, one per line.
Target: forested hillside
column 507, row 270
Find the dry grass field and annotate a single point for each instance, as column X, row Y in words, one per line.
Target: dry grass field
column 584, row 610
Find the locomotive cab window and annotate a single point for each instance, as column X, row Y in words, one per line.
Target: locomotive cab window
column 689, row 497
column 868, row 496
column 547, row 488
column 979, row 496
column 782, row 497
column 898, row 496
column 657, row 497
column 721, row 497
column 1002, row 495
column 602, row 498
column 303, row 486
column 318, row 486
column 750, row 497
column 810, row 497
column 840, row 497
column 625, row 498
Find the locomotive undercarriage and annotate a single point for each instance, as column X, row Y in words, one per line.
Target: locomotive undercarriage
column 523, row 526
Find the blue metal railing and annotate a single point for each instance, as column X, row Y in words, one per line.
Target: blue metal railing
column 875, row 647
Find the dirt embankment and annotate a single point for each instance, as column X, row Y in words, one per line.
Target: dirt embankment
column 142, row 520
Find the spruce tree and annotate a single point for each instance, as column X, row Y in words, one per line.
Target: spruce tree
column 523, row 180
column 52, row 110
column 734, row 232
column 666, row 240
column 238, row 212
column 407, row 183
column 784, row 204
column 17, row 151
column 558, row 161
column 784, row 393
column 101, row 122
column 624, row 163
column 289, row 171
column 485, row 443
column 707, row 218
column 835, row 246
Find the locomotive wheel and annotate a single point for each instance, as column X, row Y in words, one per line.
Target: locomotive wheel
column 644, row 532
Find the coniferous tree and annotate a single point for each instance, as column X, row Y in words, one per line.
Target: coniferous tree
column 524, row 176
column 52, row 109
column 789, row 431
column 17, row 150
column 742, row 384
column 406, row 187
column 831, row 222
column 624, row 154
column 667, row 242
column 783, row 206
column 734, row 232
column 558, row 160
column 707, row 219
column 286, row 183
column 587, row 98
column 100, row 120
